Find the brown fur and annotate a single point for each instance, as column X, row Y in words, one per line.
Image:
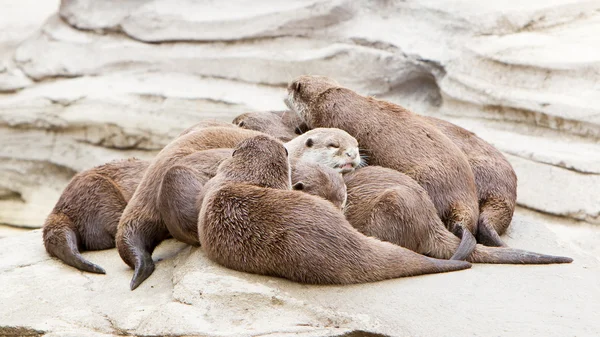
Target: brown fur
column 181, row 192
column 319, row 180
column 283, row 125
column 396, row 138
column 141, row 227
column 88, row 211
column 251, row 221
column 495, row 179
column 392, row 207
column 206, row 124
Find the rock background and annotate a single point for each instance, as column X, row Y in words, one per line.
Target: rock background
column 106, row 79
column 83, row 82
column 188, row 295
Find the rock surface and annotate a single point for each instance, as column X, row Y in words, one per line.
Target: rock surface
column 105, row 79
column 189, row 295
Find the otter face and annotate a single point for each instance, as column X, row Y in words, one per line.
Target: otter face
column 321, row 181
column 304, row 89
column 261, row 161
column 331, row 147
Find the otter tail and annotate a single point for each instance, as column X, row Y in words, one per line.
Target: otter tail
column 467, row 243
column 61, row 241
column 494, row 218
column 503, row 255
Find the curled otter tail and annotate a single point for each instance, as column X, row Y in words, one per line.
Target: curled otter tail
column 61, row 241
column 467, row 243
column 484, row 254
column 486, row 233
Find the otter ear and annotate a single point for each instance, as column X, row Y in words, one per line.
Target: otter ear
column 309, row 142
column 240, row 124
column 299, row 186
column 286, row 152
column 233, row 154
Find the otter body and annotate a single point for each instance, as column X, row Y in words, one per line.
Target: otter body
column 495, row 180
column 252, row 221
column 392, row 207
column 88, row 211
column 396, row 138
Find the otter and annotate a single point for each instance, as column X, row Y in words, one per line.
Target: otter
column 251, row 221
column 88, row 211
column 495, row 179
column 321, row 181
column 148, row 219
column 141, row 227
column 392, row 207
column 396, row 138
column 180, row 195
column 329, row 146
column 283, row 125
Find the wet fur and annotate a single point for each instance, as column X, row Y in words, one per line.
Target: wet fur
column 251, row 221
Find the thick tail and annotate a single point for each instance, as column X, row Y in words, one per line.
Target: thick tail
column 467, row 243
column 136, row 240
column 484, row 254
column 494, row 218
column 61, row 241
column 486, row 233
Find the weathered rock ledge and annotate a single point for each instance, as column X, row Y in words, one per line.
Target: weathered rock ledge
column 104, row 79
column 189, row 295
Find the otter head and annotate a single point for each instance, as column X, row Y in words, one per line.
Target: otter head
column 261, row 161
column 331, row 147
column 304, row 91
column 275, row 124
column 321, row 181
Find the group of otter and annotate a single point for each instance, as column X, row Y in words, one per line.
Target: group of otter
column 288, row 194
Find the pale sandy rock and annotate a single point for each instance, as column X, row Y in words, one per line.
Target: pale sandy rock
column 65, row 301
column 63, row 51
column 17, row 22
column 183, row 20
column 97, row 15
column 522, row 75
column 53, row 130
column 542, row 145
column 12, row 78
column 556, row 190
column 190, row 295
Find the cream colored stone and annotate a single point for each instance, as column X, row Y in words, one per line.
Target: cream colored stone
column 189, row 295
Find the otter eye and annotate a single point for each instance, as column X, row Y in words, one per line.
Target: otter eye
column 309, row 142
column 299, row 186
column 240, row 124
column 333, row 145
column 297, row 86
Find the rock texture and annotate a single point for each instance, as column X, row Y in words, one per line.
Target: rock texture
column 190, row 296
column 106, row 79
